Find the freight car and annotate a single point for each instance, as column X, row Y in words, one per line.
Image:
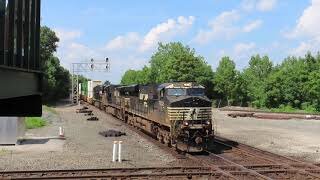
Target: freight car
column 177, row 114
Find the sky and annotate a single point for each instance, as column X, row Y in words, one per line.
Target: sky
column 127, row 32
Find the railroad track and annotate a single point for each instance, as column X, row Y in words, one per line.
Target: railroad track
column 120, row 173
column 234, row 161
column 246, row 162
column 240, row 161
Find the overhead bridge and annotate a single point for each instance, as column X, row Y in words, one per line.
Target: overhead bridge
column 20, row 65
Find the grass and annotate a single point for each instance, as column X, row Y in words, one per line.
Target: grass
column 49, row 109
column 35, row 122
column 3, row 151
column 290, row 109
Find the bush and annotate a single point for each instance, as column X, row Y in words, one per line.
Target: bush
column 284, row 108
column 308, row 107
column 35, row 122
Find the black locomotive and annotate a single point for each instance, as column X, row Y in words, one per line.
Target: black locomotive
column 177, row 114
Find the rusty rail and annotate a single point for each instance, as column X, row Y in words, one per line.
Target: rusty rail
column 155, row 172
column 268, row 164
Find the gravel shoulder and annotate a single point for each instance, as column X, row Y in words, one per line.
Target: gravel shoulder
column 83, row 146
column 294, row 138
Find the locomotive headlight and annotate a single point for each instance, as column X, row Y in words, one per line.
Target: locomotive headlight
column 186, row 123
column 208, row 122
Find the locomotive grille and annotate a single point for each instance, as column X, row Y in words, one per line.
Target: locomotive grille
column 189, row 113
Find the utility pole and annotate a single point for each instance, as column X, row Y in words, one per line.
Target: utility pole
column 92, row 66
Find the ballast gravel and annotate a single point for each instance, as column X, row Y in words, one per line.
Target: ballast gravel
column 296, row 138
column 83, row 146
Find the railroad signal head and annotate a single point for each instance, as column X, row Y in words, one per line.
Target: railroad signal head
column 107, row 60
column 92, row 66
column 92, row 60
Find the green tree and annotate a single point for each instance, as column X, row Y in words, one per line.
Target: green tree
column 130, row 77
column 255, row 76
column 286, row 85
column 175, row 62
column 56, row 79
column 313, row 87
column 48, row 43
column 225, row 79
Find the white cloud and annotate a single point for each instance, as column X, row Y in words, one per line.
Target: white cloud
column 260, row 5
column 305, row 46
column 266, row 5
column 220, row 27
column 126, row 51
column 159, row 33
column 121, row 42
column 242, row 48
column 67, row 35
column 252, row 25
column 307, row 27
column 248, row 5
column 225, row 26
column 69, row 50
column 166, row 30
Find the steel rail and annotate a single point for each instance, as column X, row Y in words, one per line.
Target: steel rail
column 295, row 165
column 268, row 167
column 115, row 172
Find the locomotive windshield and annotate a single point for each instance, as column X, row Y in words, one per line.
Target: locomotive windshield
column 177, row 92
column 195, row 92
column 185, row 92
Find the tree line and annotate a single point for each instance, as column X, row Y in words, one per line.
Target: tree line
column 292, row 84
column 56, row 80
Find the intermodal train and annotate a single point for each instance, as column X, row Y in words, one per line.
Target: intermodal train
column 177, row 114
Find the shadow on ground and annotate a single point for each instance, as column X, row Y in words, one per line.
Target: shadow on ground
column 220, row 146
column 34, row 141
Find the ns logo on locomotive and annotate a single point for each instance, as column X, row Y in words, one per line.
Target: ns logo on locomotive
column 177, row 114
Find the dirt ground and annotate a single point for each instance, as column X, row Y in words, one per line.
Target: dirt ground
column 83, row 146
column 295, row 138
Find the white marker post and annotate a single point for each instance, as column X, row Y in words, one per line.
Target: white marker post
column 119, row 152
column 61, row 132
column 114, row 153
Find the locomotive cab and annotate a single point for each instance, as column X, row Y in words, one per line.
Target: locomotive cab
column 189, row 113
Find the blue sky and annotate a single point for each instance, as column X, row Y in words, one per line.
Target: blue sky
column 128, row 31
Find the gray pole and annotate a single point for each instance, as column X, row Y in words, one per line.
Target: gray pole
column 72, row 85
column 77, row 89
